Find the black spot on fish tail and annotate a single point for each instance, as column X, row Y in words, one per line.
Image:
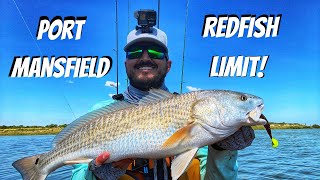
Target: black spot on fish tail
column 37, row 160
column 28, row 169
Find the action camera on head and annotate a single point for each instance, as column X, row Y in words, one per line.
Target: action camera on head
column 146, row 20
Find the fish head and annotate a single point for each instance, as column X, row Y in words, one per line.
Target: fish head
column 232, row 109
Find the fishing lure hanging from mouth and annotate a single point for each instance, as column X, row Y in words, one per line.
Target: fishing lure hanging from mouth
column 274, row 141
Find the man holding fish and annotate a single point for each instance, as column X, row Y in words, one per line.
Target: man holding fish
column 147, row 64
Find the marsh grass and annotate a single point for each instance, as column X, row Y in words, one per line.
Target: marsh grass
column 30, row 130
column 287, row 126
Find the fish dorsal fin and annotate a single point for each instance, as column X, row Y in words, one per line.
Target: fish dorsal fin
column 181, row 163
column 81, row 121
column 154, row 96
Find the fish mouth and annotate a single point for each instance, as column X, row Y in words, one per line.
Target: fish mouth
column 254, row 116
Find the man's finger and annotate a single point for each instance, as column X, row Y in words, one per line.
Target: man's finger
column 103, row 157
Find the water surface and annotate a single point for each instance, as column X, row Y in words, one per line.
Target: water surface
column 297, row 156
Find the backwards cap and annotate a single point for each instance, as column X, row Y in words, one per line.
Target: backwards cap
column 156, row 36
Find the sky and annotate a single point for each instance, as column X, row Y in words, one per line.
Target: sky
column 290, row 87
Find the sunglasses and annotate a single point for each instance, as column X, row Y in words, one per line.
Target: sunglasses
column 153, row 52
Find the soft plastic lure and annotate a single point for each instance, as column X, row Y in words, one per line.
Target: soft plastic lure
column 274, row 141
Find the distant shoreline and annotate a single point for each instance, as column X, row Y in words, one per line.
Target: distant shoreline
column 284, row 125
column 55, row 129
column 31, row 130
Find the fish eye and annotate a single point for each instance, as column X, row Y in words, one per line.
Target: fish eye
column 243, row 98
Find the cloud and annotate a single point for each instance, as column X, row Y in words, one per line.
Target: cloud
column 111, row 95
column 190, row 88
column 70, row 82
column 111, row 84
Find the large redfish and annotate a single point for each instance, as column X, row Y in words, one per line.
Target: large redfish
column 161, row 125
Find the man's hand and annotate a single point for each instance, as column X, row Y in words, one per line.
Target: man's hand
column 107, row 171
column 237, row 141
column 122, row 164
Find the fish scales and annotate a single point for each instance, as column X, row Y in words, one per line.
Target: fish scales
column 154, row 124
column 135, row 123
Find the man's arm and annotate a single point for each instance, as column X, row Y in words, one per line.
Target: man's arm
column 221, row 164
column 219, row 161
column 81, row 172
column 97, row 169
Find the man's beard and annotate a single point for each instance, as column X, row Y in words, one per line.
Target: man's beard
column 145, row 84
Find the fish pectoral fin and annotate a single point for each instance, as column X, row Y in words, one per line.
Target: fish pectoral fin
column 178, row 136
column 77, row 161
column 182, row 162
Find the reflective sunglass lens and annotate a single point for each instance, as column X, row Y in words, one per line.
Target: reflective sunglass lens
column 134, row 54
column 155, row 54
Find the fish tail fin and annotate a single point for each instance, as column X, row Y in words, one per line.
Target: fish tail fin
column 28, row 169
